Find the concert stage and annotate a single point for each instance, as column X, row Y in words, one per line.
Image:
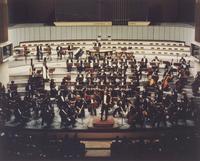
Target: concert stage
column 92, row 128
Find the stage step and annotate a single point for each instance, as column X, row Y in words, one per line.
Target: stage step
column 98, row 153
column 97, row 148
column 97, row 144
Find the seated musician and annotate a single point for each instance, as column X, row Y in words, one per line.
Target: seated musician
column 80, row 106
column 154, row 78
column 182, row 60
column 20, row 111
column 155, row 75
column 166, row 79
column 47, row 112
column 80, row 76
column 90, row 58
column 117, row 109
column 159, row 95
column 30, row 89
column 69, row 64
column 65, row 120
column 156, row 61
column 196, row 84
column 72, row 113
column 63, row 88
column 184, row 98
column 13, row 87
column 80, row 66
column 134, row 60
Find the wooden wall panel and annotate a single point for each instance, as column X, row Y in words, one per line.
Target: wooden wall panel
column 184, row 33
column 197, row 21
column 118, row 11
column 3, row 21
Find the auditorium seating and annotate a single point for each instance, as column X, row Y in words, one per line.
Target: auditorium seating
column 15, row 145
column 165, row 147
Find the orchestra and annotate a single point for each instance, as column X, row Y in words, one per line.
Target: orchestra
column 105, row 86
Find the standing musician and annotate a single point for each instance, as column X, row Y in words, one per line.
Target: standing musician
column 61, row 52
column 58, row 49
column 38, row 52
column 69, row 48
column 93, row 106
column 144, row 62
column 26, row 51
column 49, row 52
column 45, row 70
column 105, row 105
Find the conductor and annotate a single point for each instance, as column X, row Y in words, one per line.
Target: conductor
column 105, row 105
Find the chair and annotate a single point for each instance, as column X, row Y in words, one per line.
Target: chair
column 51, row 71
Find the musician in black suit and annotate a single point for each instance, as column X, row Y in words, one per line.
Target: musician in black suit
column 105, row 105
column 41, row 53
column 58, row 49
column 182, row 60
column 53, row 90
column 13, row 88
column 38, row 53
column 72, row 113
column 144, row 62
column 29, row 89
column 2, row 89
column 47, row 111
column 117, row 109
column 80, row 106
column 71, row 54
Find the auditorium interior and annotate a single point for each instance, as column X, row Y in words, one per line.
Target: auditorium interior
column 100, row 80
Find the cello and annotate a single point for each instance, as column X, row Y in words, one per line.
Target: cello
column 165, row 82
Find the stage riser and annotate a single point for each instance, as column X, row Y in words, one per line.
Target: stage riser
column 112, row 134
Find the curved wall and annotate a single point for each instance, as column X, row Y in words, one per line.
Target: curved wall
column 176, row 33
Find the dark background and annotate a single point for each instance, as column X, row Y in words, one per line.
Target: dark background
column 117, row 11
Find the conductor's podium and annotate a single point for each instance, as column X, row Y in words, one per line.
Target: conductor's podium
column 103, row 124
